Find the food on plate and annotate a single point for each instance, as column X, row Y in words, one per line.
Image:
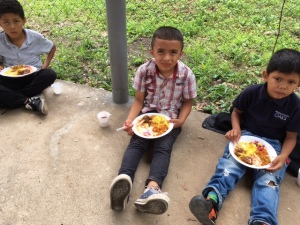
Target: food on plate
column 18, row 70
column 252, row 153
column 152, row 126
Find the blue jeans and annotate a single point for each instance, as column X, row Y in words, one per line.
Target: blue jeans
column 265, row 190
column 162, row 149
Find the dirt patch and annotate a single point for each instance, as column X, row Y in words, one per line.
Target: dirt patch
column 140, row 47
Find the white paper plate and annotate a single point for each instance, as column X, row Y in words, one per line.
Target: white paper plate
column 270, row 149
column 135, row 130
column 4, row 71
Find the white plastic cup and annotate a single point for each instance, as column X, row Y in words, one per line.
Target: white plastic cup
column 56, row 88
column 103, row 118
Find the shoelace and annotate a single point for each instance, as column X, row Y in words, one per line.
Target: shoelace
column 156, row 189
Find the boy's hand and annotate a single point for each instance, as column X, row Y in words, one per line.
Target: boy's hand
column 1, row 67
column 177, row 122
column 277, row 163
column 233, row 135
column 128, row 124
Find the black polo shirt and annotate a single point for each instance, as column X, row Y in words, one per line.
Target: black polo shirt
column 267, row 117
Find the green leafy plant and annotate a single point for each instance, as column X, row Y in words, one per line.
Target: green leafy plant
column 227, row 43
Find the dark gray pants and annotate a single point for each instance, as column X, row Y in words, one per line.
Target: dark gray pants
column 162, row 149
column 15, row 91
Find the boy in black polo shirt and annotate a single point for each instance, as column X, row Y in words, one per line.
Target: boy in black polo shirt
column 270, row 111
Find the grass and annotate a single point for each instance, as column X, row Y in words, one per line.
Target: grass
column 227, row 42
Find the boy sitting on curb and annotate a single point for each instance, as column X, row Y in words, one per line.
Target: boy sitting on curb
column 270, row 111
column 164, row 85
column 20, row 46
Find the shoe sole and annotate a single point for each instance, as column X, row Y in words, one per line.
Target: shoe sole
column 44, row 107
column 119, row 191
column 155, row 204
column 201, row 209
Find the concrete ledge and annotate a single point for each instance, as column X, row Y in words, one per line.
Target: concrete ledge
column 56, row 169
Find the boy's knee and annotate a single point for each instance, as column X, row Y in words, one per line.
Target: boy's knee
column 272, row 183
column 53, row 73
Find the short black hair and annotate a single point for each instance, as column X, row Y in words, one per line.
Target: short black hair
column 286, row 61
column 167, row 33
column 11, row 6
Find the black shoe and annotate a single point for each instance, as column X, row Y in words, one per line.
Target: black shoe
column 203, row 210
column 37, row 104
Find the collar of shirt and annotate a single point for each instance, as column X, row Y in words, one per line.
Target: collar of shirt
column 28, row 39
column 175, row 74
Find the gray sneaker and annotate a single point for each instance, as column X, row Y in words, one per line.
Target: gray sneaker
column 37, row 104
column 120, row 190
column 153, row 201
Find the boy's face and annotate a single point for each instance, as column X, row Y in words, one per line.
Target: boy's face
column 12, row 24
column 166, row 54
column 281, row 85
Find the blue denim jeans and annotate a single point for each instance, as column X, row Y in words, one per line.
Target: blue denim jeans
column 162, row 149
column 265, row 190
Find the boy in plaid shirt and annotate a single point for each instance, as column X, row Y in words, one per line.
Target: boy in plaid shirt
column 163, row 85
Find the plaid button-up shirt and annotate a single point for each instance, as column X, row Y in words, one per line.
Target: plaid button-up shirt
column 165, row 95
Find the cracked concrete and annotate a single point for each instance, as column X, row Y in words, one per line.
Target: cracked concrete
column 56, row 169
